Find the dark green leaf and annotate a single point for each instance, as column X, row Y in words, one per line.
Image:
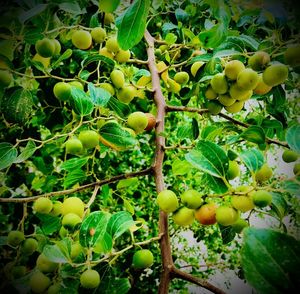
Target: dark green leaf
column 74, row 177
column 74, row 163
column 227, row 233
column 26, row 152
column 217, row 185
column 127, row 183
column 253, row 159
column 49, row 223
column 96, row 58
column 103, row 244
column 214, row 36
column 8, row 154
column 203, row 57
column 81, row 102
column 54, row 254
column 120, row 108
column 279, row 205
column 36, row 10
column 292, row 187
column 67, row 54
column 293, row 137
column 195, row 129
column 181, row 15
column 180, row 167
column 254, row 134
column 99, row 96
column 225, row 53
column 72, row 7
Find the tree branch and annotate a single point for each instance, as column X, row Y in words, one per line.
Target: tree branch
column 81, row 188
column 170, row 108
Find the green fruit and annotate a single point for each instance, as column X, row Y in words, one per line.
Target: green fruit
column 296, row 169
column 142, row 259
column 244, row 189
column 44, row 265
column 108, row 18
column 76, row 249
column 235, row 107
column 210, row 94
column 126, row 94
column 219, row 83
column 289, row 156
column 77, row 85
column 261, row 198
column 62, row 91
column 39, row 282
column 137, row 121
column 108, row 5
column 54, row 289
column 247, row 79
column 206, row 214
column 292, row 56
column 167, row 201
column 89, row 138
column 103, row 51
column 70, row 221
column 108, row 87
column 262, row 88
column 233, row 68
column 57, row 46
column 112, row 45
column 181, row 77
column 15, row 238
column 63, row 232
column 73, row 205
column 173, row 86
column 122, row 56
column 264, row 173
column 18, row 271
column 239, row 225
column 242, row 203
column 45, row 47
column 117, row 78
column 226, row 100
column 44, row 61
column 226, row 216
column 184, row 216
column 259, row 60
column 29, row 246
column 98, row 35
column 90, row 279
column 214, row 107
column 275, row 74
column 43, row 205
column 195, row 67
column 5, row 78
column 233, row 170
column 191, row 199
column 239, row 94
column 56, row 209
column 82, row 39
column 74, row 146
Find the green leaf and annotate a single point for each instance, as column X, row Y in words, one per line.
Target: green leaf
column 99, row 96
column 292, row 187
column 270, row 261
column 279, row 205
column 225, row 53
column 132, row 24
column 119, row 223
column 210, row 158
column 54, row 254
column 114, row 136
column 74, row 163
column 103, row 244
column 253, row 159
column 26, row 152
column 74, row 177
column 213, row 37
column 203, row 57
column 195, row 129
column 81, row 102
column 93, row 228
column 170, row 38
column 244, row 41
column 72, row 7
column 96, row 58
column 227, row 233
column 49, row 223
column 254, row 134
column 180, row 167
column 120, row 108
column 8, row 154
column 217, row 185
column 128, row 206
column 36, row 10
column 293, row 137
column 66, row 55
column 127, row 183
column 108, row 5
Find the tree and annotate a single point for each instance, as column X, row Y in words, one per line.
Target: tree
column 123, row 121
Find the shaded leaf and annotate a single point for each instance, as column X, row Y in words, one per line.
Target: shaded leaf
column 227, row 233
column 279, row 205
column 180, row 167
column 99, row 96
column 254, row 134
column 293, row 137
column 127, row 183
column 74, row 177
column 49, row 223
column 253, row 159
column 217, row 185
column 120, row 108
column 54, row 254
column 81, row 102
column 8, row 154
column 36, row 10
column 74, row 163
column 95, row 58
column 26, row 152
column 67, row 54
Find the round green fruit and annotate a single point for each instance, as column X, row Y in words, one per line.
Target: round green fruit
column 183, row 216
column 73, row 205
column 214, row 107
column 296, row 169
column 112, row 45
column 243, row 189
column 63, row 232
column 108, row 5
column 108, row 87
column 195, row 67
column 142, row 259
column 57, row 46
column 233, row 170
column 117, row 78
column 262, row 88
column 70, row 221
column 210, row 94
column 39, row 282
column 247, row 79
column 5, row 78
column 98, row 35
column 259, row 60
column 239, row 225
column 292, row 56
column 90, row 279
column 289, row 156
column 167, row 201
column 137, row 121
column 122, row 56
column 82, row 39
column 173, row 86
column 77, row 85
column 43, row 205
column 15, row 238
column 62, row 91
column 233, row 68
column 219, row 83
column 76, row 249
column 56, row 209
column 89, row 138
column 275, row 74
column 192, row 199
column 264, row 173
column 261, row 198
column 54, row 289
column 108, row 18
column 103, row 51
column 126, row 94
column 74, row 146
column 235, row 107
column 242, row 203
column 18, row 271
column 226, row 100
column 226, row 216
column 239, row 94
column 206, row 214
column 29, row 246
column 181, row 77
column 45, row 47
column 44, row 265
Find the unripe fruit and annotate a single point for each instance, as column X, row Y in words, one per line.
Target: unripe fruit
column 76, row 249
column 112, row 45
column 82, row 39
column 70, row 221
column 264, row 173
column 15, row 238
column 90, row 279
column 142, row 259
column 108, row 5
column 74, row 146
column 108, row 18
column 73, row 205
column 261, row 198
column 214, row 107
column 62, row 91
column 259, row 60
column 195, row 67
column 126, row 94
column 219, row 83
column 43, row 205
column 181, row 77
column 137, row 121
column 210, row 94
column 45, row 265
column 184, row 216
column 54, row 289
column 130, row 131
column 103, row 51
column 117, row 78
column 296, row 169
column 63, row 232
column 226, row 216
column 39, row 282
column 122, row 56
column 173, row 86
column 233, row 68
column 108, row 87
column 167, row 201
column 242, row 203
column 18, row 271
column 98, row 35
column 226, row 100
column 239, row 225
column 29, row 246
column 292, row 56
column 56, row 209
column 275, row 74
column 44, row 61
column 206, row 214
column 89, row 138
column 247, row 79
column 239, row 94
column 262, row 88
column 45, row 47
column 151, row 121
column 244, row 189
column 76, row 84
column 191, row 199
column 235, row 107
column 233, row 170
column 5, row 78
column 289, row 156
column 57, row 46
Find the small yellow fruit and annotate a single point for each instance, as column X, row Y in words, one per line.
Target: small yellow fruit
column 39, row 282
column 239, row 225
column 226, row 100
column 108, row 18
column 184, row 216
column 90, row 279
column 173, row 86
column 73, row 205
column 15, row 238
column 82, row 39
column 235, row 107
column 108, row 5
column 296, row 169
column 43, row 205
column 108, row 87
column 117, row 78
column 214, row 107
column 242, row 203
column 226, row 216
column 5, row 78
column 259, row 60
column 112, row 45
column 262, row 88
column 275, row 74
column 74, row 146
column 137, row 121
column 233, row 170
column 142, row 259
column 181, row 77
column 264, row 173
column 289, row 156
column 191, row 199
column 103, row 51
column 77, row 85
column 70, row 221
column 233, row 68
column 62, row 91
column 167, row 201
column 54, row 289
column 45, row 47
column 76, row 249
column 89, row 138
column 29, row 246
column 57, row 46
column 122, row 56
column 210, row 94
column 219, row 83
column 98, row 35
column 239, row 94
column 126, row 94
column 44, row 61
column 195, row 67
column 247, row 79
column 151, row 121
column 45, row 265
